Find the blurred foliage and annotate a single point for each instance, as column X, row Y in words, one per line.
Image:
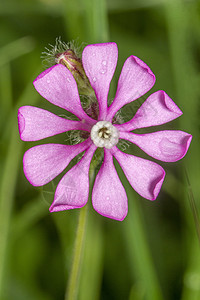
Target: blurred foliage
column 154, row 253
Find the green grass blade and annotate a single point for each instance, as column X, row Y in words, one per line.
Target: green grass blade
column 16, row 49
column 9, row 178
column 178, row 20
column 142, row 265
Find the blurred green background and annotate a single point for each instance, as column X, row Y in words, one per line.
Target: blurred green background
column 154, row 253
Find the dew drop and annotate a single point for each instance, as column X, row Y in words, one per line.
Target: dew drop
column 68, row 79
column 107, row 198
column 103, row 67
column 48, row 81
column 94, row 79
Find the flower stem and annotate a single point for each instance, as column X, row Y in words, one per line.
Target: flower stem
column 73, row 283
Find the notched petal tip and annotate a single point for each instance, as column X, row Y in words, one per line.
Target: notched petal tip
column 21, row 123
column 156, row 185
column 168, row 103
column 144, row 66
column 175, row 147
column 188, row 140
column 185, row 144
column 57, row 208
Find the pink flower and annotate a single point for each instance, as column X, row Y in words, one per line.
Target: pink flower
column 42, row 163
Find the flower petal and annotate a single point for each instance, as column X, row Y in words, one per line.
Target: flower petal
column 146, row 177
column 73, row 189
column 99, row 62
column 62, row 207
column 135, row 80
column 158, row 109
column 59, row 87
column 109, row 196
column 166, row 145
column 36, row 124
column 42, row 163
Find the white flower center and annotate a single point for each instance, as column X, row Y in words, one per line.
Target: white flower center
column 104, row 134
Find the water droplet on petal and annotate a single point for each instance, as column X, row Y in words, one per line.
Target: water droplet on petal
column 48, row 81
column 107, row 198
column 94, row 79
column 103, row 67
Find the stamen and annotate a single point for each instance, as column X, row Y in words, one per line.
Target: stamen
column 104, row 134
